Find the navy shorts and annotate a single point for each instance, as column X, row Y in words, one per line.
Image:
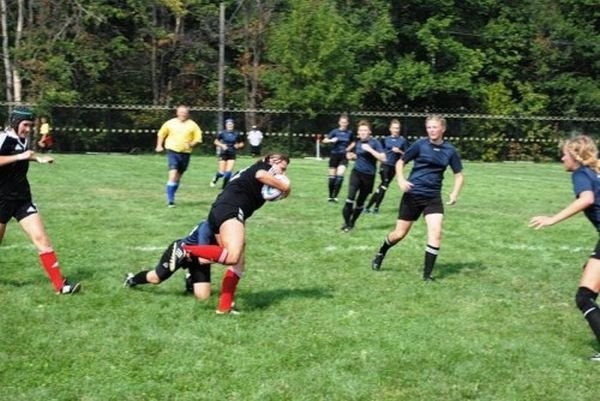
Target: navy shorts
column 337, row 159
column 412, row 206
column 19, row 209
column 178, row 161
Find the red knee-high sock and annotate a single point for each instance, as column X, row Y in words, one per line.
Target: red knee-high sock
column 50, row 263
column 230, row 282
column 210, row 252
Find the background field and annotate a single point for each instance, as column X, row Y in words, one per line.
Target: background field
column 317, row 323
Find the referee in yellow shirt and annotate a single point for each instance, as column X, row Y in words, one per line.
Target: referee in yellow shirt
column 178, row 136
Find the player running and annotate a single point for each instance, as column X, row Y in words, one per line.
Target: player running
column 366, row 153
column 580, row 157
column 394, row 146
column 228, row 142
column 15, row 194
column 178, row 136
column 422, row 191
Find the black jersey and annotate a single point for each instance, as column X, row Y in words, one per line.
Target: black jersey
column 244, row 190
column 13, row 176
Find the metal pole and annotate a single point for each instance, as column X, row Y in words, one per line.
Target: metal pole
column 221, row 87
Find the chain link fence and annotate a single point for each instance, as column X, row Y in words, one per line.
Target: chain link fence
column 132, row 129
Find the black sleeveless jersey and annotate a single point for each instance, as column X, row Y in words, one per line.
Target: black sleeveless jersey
column 244, row 190
column 13, row 176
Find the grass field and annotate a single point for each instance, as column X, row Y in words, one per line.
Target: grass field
column 317, row 323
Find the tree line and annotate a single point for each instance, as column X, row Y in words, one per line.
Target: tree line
column 505, row 57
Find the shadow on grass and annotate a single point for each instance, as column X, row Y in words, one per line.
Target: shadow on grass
column 443, row 270
column 17, row 283
column 265, row 299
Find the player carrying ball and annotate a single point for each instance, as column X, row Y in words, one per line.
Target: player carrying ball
column 15, row 194
column 227, row 218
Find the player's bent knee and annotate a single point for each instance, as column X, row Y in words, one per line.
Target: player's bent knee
column 202, row 291
column 585, row 299
column 161, row 274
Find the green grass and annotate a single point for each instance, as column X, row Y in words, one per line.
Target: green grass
column 317, row 323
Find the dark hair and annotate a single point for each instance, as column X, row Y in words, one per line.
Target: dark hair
column 276, row 157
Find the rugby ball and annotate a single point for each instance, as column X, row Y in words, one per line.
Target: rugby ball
column 270, row 193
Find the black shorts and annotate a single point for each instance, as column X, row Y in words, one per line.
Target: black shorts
column 224, row 156
column 19, row 209
column 412, row 206
column 199, row 272
column 221, row 213
column 337, row 159
column 596, row 253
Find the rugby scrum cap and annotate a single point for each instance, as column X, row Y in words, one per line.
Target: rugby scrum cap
column 229, row 120
column 20, row 113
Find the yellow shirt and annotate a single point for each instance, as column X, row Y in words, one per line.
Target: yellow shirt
column 179, row 134
column 45, row 129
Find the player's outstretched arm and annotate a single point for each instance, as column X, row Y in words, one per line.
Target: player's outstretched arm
column 586, row 198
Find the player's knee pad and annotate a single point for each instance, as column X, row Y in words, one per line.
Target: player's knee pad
column 586, row 300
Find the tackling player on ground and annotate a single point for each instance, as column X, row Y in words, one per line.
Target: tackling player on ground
column 15, row 194
column 173, row 258
column 422, row 191
column 580, row 157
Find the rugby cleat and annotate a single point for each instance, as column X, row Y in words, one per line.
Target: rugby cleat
column 128, row 282
column 69, row 288
column 595, row 357
column 377, row 261
column 428, row 279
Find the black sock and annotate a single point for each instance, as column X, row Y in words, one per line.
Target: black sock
column 337, row 185
column 355, row 215
column 586, row 301
column 385, row 246
column 331, row 186
column 431, row 253
column 140, row 278
column 347, row 212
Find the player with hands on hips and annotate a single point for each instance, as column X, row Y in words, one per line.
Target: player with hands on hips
column 580, row 158
column 15, row 195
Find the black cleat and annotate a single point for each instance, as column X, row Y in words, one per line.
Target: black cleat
column 128, row 281
column 69, row 288
column 595, row 357
column 428, row 279
column 377, row 261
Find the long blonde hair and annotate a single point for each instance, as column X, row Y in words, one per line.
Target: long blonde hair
column 583, row 149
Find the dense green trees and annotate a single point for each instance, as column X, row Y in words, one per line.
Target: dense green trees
column 491, row 56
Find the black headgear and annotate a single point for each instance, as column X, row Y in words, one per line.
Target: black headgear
column 20, row 113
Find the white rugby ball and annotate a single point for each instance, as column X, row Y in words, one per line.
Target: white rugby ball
column 270, row 193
